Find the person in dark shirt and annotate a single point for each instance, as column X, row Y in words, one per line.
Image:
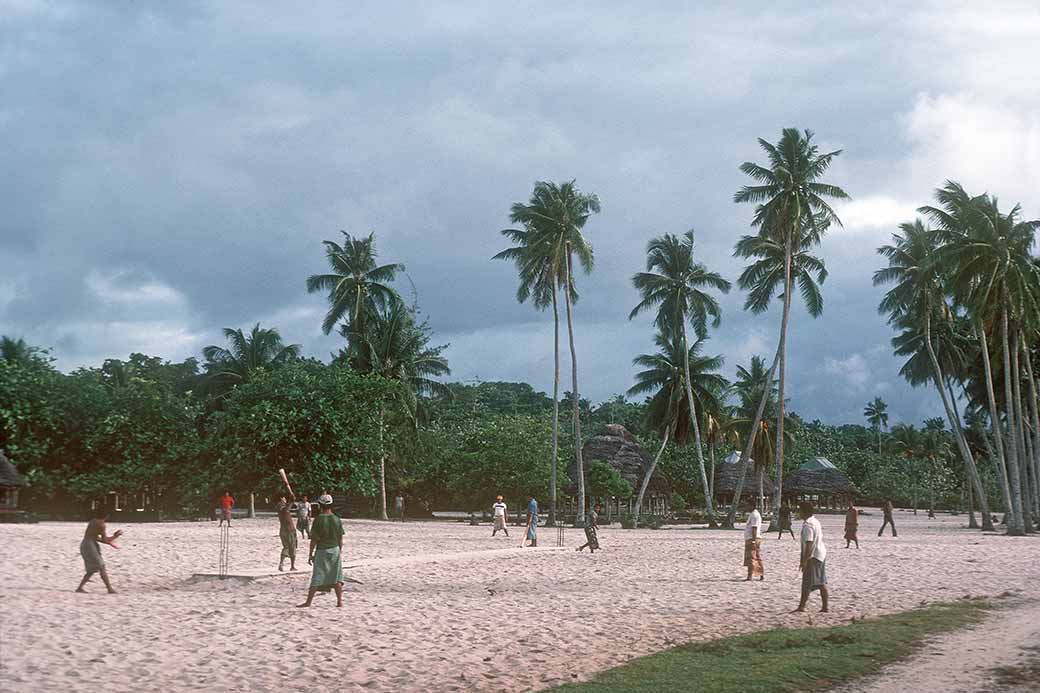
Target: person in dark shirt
column 326, row 553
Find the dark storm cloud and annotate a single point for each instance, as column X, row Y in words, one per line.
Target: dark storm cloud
column 171, row 168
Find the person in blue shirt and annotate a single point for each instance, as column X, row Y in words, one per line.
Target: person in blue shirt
column 532, row 522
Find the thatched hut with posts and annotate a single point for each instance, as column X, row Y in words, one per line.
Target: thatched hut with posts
column 10, row 482
column 620, row 449
column 821, row 483
column 724, row 483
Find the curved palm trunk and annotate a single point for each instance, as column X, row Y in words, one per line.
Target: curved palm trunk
column 711, row 476
column 994, row 415
column 972, row 476
column 782, row 351
column 556, row 408
column 955, row 424
column 382, row 467
column 745, row 455
column 580, row 520
column 649, row 474
column 708, row 501
column 1035, row 416
column 1020, row 437
column 1016, row 526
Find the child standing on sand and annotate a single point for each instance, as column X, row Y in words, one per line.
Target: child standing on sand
column 500, row 513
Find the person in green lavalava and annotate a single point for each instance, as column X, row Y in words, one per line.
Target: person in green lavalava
column 325, row 553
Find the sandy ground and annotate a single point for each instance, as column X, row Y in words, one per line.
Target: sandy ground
column 442, row 606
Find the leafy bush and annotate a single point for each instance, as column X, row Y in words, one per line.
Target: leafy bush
column 678, row 502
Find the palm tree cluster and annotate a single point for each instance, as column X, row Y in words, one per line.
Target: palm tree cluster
column 965, row 301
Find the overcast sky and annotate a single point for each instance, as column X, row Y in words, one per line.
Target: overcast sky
column 170, row 169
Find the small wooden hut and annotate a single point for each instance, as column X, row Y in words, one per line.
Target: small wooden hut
column 10, row 482
column 821, row 483
column 620, row 449
column 724, row 484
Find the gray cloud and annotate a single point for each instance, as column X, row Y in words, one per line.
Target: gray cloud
column 171, row 169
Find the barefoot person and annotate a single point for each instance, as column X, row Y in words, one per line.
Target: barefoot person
column 325, row 553
column 813, row 562
column 531, row 533
column 753, row 543
column 887, row 510
column 852, row 525
column 784, row 524
column 303, row 517
column 90, row 549
column 287, row 532
column 499, row 511
column 592, row 530
column 226, row 503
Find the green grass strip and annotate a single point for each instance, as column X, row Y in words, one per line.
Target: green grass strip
column 784, row 659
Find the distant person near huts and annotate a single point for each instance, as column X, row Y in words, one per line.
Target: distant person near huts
column 90, row 549
column 499, row 513
column 753, row 543
column 887, row 510
column 531, row 533
column 813, row 562
column 326, row 553
column 851, row 526
column 784, row 524
column 592, row 530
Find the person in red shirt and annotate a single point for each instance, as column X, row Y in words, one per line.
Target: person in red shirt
column 226, row 503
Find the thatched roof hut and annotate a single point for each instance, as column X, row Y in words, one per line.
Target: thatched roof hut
column 818, row 480
column 727, row 473
column 10, row 482
column 620, row 449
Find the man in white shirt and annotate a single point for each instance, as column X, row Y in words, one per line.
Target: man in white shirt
column 499, row 509
column 753, row 543
column 813, row 559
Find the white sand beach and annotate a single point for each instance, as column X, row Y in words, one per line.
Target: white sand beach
column 441, row 605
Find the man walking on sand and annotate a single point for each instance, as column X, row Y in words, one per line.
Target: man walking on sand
column 399, row 507
column 226, row 503
column 852, row 525
column 753, row 543
column 887, row 510
column 499, row 511
column 287, row 532
column 784, row 524
column 813, row 562
column 531, row 533
column 303, row 517
column 326, row 553
column 90, row 549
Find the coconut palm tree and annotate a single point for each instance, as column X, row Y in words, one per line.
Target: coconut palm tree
column 916, row 302
column 357, row 289
column 16, row 351
column 876, row 413
column 792, row 209
column 227, row 367
column 555, row 216
column 678, row 287
column 399, row 349
column 533, row 258
column 669, row 411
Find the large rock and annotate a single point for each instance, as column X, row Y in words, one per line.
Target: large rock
column 620, row 449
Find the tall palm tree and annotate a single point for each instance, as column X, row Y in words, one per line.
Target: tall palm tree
column 400, row 351
column 357, row 288
column 876, row 413
column 669, row 411
column 227, row 367
column 534, row 262
column 677, row 286
column 791, row 205
column 916, row 302
column 555, row 216
column 16, row 351
column 994, row 275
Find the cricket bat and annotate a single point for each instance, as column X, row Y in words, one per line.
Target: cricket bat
column 286, row 480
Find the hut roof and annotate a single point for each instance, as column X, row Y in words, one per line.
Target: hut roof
column 620, row 449
column 819, row 475
column 9, row 476
column 727, row 473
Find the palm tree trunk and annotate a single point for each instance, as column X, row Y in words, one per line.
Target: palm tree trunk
column 580, row 519
column 1035, row 416
column 779, row 459
column 649, row 473
column 708, row 501
column 556, row 408
column 879, row 439
column 1017, row 525
column 382, row 467
column 955, row 421
column 994, row 415
column 749, row 445
column 971, row 470
column 711, row 460
column 1020, row 437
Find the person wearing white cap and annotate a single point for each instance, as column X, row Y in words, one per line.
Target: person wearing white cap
column 326, row 553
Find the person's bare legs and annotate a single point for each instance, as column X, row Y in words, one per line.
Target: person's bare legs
column 339, row 594
column 104, row 578
column 804, row 600
column 84, row 581
column 823, row 596
column 310, row 598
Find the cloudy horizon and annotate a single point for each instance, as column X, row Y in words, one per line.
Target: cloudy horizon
column 173, row 168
